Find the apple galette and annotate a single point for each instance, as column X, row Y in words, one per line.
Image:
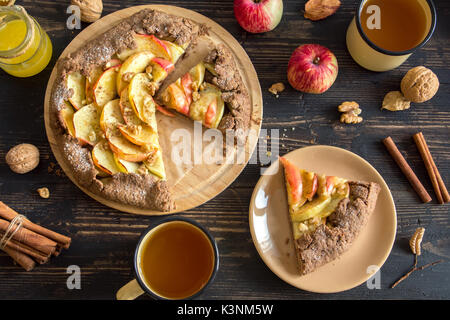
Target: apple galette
column 105, row 109
column 326, row 213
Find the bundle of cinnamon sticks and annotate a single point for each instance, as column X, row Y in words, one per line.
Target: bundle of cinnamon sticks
column 439, row 187
column 29, row 243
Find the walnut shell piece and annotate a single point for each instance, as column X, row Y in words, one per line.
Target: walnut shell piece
column 419, row 84
column 277, row 88
column 23, row 158
column 320, row 9
column 43, row 192
column 91, row 10
column 395, row 101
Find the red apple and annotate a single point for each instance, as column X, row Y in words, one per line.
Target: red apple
column 258, row 16
column 312, row 68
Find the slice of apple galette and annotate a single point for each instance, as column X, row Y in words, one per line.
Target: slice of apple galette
column 104, row 100
column 326, row 213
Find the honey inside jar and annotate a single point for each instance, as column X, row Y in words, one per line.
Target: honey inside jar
column 176, row 260
column 403, row 24
column 25, row 48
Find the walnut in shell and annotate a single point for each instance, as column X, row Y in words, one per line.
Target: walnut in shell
column 23, row 158
column 395, row 101
column 419, row 84
column 91, row 10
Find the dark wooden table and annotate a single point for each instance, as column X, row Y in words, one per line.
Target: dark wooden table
column 104, row 239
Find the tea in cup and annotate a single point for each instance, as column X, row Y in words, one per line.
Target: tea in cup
column 175, row 258
column 384, row 33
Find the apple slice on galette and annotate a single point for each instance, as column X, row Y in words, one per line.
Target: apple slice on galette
column 326, row 213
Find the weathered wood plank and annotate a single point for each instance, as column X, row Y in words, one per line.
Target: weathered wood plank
column 104, row 239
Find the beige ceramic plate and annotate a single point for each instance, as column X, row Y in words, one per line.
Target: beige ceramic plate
column 270, row 228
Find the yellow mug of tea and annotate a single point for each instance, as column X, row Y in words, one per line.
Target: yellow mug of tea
column 176, row 258
column 384, row 33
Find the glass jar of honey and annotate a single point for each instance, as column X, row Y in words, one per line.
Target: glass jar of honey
column 25, row 48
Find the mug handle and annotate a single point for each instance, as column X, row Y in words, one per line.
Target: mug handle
column 130, row 291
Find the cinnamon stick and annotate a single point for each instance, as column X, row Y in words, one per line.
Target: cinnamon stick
column 406, row 169
column 8, row 214
column 39, row 257
column 20, row 258
column 426, row 159
column 442, row 188
column 30, row 238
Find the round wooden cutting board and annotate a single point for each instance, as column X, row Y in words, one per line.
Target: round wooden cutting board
column 203, row 182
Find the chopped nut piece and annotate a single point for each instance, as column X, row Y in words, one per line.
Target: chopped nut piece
column 128, row 112
column 92, row 136
column 395, row 101
column 103, row 146
column 127, row 76
column 135, row 129
column 153, row 156
column 152, row 87
column 348, row 106
column 277, row 88
column 302, row 227
column 51, row 167
column 44, row 192
column 350, row 117
column 320, row 9
column 142, row 170
column 350, row 113
column 195, row 96
column 416, row 240
column 149, row 70
column 148, row 148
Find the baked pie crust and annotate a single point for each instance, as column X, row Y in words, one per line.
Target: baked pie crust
column 326, row 213
column 109, row 141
